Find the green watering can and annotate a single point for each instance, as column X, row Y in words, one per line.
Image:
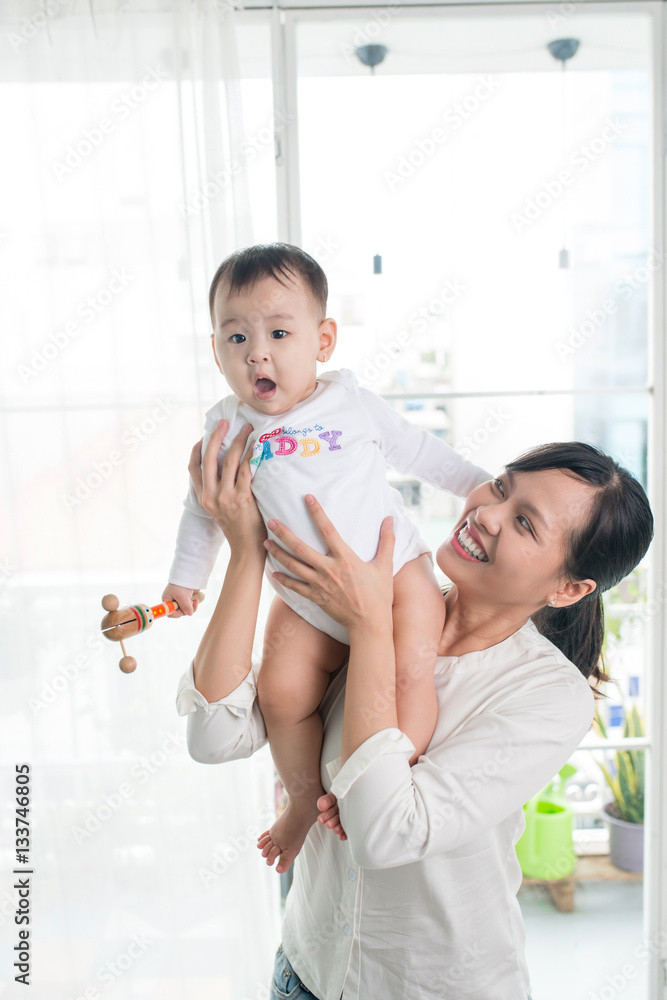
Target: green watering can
column 545, row 849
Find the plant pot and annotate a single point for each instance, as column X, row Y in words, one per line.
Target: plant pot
column 626, row 841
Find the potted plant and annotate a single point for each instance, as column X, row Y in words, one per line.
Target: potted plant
column 624, row 813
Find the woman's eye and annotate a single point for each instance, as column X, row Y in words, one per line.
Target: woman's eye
column 234, row 340
column 524, row 522
column 278, row 334
column 498, row 483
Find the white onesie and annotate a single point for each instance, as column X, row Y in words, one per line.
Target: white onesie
column 336, row 445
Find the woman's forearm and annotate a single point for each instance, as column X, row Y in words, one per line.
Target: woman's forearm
column 225, row 652
column 370, row 688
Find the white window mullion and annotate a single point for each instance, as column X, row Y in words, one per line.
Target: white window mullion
column 655, row 869
column 283, row 42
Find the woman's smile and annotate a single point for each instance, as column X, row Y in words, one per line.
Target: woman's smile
column 466, row 546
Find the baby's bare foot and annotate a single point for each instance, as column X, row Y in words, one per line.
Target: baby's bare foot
column 285, row 838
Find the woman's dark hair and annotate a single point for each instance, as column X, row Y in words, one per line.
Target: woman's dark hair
column 282, row 261
column 605, row 548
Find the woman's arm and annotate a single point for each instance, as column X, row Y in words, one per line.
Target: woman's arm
column 225, row 651
column 359, row 595
column 394, row 814
column 218, row 692
column 224, row 656
column 370, row 687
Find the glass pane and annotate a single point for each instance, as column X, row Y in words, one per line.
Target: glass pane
column 452, row 178
column 105, row 326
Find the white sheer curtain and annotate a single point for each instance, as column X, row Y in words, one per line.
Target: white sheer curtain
column 123, row 186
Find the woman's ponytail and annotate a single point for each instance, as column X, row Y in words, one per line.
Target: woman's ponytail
column 578, row 631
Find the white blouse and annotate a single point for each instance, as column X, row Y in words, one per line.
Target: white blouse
column 420, row 900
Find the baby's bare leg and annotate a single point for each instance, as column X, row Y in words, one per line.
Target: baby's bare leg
column 296, row 664
column 419, row 617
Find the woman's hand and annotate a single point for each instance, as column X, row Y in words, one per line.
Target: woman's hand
column 351, row 591
column 228, row 497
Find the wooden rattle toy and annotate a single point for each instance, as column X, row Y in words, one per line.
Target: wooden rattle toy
column 121, row 624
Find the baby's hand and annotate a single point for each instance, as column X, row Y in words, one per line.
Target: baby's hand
column 183, row 597
column 328, row 806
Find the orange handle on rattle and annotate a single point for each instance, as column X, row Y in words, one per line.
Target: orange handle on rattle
column 121, row 624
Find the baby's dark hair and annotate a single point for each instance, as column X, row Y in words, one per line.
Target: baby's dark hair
column 282, row 261
column 605, row 548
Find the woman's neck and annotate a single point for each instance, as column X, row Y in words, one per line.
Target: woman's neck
column 471, row 627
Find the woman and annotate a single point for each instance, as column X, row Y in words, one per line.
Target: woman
column 416, row 896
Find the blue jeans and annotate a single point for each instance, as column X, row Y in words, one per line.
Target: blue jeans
column 286, row 985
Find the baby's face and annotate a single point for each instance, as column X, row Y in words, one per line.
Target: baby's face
column 267, row 340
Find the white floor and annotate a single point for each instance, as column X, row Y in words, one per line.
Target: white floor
column 597, row 952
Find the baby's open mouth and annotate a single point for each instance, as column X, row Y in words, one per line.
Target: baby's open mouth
column 264, row 388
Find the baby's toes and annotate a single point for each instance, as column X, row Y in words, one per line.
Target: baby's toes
column 268, row 847
column 326, row 801
column 333, row 816
column 274, row 853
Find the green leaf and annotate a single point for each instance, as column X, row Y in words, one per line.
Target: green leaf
column 637, row 724
column 612, row 782
column 600, row 724
column 635, row 812
column 638, row 757
column 626, row 778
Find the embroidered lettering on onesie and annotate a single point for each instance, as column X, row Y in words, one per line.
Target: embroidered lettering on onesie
column 285, row 441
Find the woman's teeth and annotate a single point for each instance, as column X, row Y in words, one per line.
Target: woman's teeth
column 469, row 545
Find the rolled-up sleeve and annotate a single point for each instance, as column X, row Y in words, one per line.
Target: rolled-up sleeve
column 384, row 744
column 394, row 814
column 223, row 730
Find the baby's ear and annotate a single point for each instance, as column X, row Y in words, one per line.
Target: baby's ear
column 328, row 333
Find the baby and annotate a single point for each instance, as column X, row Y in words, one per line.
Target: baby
column 330, row 437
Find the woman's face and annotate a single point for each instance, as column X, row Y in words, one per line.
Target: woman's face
column 508, row 546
